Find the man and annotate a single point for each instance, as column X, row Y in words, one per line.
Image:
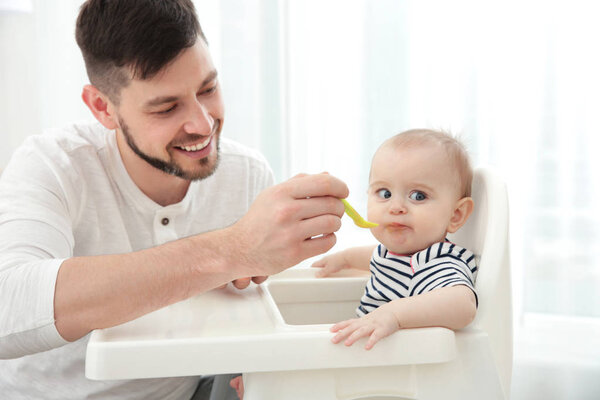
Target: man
column 102, row 223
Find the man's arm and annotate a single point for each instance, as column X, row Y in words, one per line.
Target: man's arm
column 286, row 224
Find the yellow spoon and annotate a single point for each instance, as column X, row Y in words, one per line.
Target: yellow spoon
column 358, row 220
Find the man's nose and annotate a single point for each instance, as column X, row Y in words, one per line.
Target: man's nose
column 199, row 120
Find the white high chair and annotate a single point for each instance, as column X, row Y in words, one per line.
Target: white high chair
column 473, row 363
column 277, row 333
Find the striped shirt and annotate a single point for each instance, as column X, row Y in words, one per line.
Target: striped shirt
column 395, row 276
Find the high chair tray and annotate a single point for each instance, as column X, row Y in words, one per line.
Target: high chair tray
column 282, row 324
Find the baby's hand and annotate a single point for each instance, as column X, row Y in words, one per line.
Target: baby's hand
column 378, row 324
column 331, row 264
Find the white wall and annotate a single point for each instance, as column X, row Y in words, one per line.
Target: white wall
column 41, row 72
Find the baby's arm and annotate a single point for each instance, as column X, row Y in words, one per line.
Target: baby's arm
column 353, row 257
column 450, row 307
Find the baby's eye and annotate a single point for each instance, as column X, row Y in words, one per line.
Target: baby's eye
column 417, row 196
column 384, row 193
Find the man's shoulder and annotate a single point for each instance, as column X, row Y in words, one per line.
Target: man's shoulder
column 236, row 158
column 235, row 150
column 72, row 137
column 61, row 153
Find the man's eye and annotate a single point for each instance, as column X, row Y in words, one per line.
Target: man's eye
column 417, row 196
column 210, row 90
column 384, row 193
column 168, row 110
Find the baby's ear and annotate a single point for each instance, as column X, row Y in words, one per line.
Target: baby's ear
column 462, row 211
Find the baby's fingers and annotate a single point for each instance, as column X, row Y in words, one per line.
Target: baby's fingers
column 341, row 325
column 360, row 332
column 374, row 338
column 325, row 268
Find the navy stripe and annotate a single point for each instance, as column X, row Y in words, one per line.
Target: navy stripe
column 377, row 290
column 452, row 266
column 470, row 258
column 394, row 279
column 460, row 253
column 451, row 281
column 442, row 262
column 375, row 264
column 427, row 255
column 388, row 288
column 428, row 284
column 456, row 258
column 460, row 282
column 372, row 297
column 379, row 250
column 362, row 303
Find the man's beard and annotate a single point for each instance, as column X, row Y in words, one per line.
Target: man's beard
column 171, row 167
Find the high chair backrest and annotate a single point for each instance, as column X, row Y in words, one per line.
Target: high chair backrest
column 486, row 234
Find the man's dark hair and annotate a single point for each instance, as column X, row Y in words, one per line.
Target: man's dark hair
column 125, row 39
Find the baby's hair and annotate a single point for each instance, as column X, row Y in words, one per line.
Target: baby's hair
column 455, row 149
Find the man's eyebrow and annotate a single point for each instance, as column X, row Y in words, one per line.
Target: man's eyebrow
column 157, row 101
column 212, row 75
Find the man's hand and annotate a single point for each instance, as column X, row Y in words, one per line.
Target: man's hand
column 288, row 223
column 243, row 283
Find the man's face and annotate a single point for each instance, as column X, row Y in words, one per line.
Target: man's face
column 413, row 193
column 173, row 121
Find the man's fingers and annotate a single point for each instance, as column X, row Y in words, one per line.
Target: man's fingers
column 318, row 245
column 316, row 206
column 317, row 186
column 320, row 225
column 259, row 279
column 242, row 283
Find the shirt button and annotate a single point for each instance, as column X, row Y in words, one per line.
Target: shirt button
column 165, row 221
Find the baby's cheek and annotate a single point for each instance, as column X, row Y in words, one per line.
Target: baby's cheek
column 378, row 233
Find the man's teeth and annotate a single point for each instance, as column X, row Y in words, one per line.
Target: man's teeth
column 197, row 147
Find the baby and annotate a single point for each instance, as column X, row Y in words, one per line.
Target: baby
column 419, row 191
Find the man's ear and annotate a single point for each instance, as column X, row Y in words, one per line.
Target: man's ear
column 100, row 106
column 462, row 211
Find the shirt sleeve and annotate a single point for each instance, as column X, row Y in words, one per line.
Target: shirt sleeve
column 35, row 238
column 452, row 267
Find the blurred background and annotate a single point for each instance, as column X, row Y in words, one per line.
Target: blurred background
column 318, row 85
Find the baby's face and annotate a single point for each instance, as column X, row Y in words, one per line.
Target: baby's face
column 413, row 192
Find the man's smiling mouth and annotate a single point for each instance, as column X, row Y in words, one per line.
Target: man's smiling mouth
column 197, row 146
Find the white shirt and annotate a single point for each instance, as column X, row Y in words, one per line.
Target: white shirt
column 67, row 193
